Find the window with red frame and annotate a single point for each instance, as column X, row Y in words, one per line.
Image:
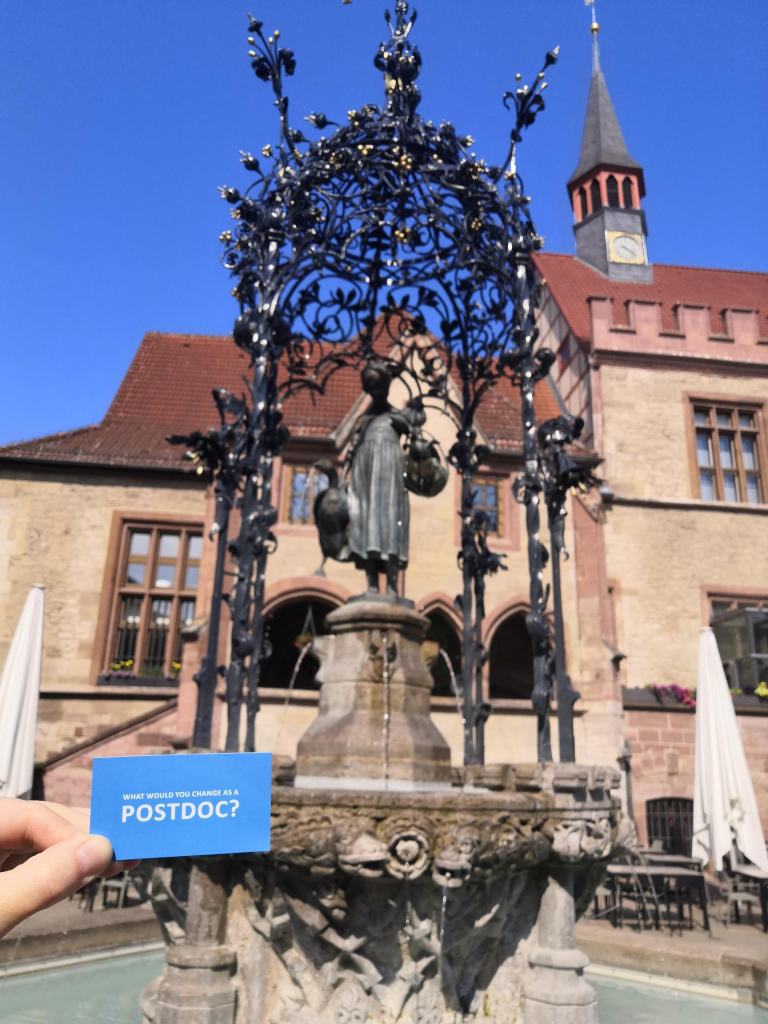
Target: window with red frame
column 728, row 452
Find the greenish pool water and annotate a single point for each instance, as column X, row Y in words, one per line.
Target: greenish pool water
column 623, row 1003
column 107, row 993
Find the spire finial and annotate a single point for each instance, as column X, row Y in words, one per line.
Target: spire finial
column 594, row 28
column 400, row 61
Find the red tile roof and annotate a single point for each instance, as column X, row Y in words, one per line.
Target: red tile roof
column 167, row 390
column 572, row 282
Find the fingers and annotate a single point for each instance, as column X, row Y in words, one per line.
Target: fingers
column 45, row 856
column 51, row 876
column 77, row 816
column 119, row 865
column 29, row 825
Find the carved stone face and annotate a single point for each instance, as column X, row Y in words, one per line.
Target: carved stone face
column 467, row 841
column 366, row 856
column 451, row 868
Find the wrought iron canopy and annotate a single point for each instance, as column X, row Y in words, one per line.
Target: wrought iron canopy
column 352, row 247
column 389, row 214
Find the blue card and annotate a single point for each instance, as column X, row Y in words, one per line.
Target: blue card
column 182, row 805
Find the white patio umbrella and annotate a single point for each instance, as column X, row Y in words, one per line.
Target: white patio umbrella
column 19, row 691
column 724, row 805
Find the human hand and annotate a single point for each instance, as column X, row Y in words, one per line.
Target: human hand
column 46, row 854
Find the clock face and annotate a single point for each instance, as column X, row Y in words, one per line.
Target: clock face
column 625, row 248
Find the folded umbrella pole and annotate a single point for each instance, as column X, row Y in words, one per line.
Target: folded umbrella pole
column 724, row 805
column 19, row 692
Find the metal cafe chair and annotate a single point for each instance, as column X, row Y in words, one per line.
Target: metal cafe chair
column 737, row 893
column 736, row 890
column 117, row 886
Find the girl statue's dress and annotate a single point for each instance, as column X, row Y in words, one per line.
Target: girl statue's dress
column 378, row 499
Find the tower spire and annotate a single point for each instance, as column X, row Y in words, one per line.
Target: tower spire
column 602, row 142
column 607, row 186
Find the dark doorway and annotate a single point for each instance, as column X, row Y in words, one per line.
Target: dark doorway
column 511, row 660
column 443, row 633
column 285, row 629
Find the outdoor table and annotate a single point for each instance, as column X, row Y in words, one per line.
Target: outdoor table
column 756, row 874
column 676, row 859
column 694, row 878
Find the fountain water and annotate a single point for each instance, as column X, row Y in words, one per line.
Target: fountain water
column 441, row 932
column 302, row 655
column 454, row 686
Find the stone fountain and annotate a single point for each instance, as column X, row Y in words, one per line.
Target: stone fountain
column 397, row 888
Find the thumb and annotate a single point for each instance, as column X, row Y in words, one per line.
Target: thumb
column 51, row 876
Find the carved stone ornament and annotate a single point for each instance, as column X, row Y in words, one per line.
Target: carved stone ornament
column 416, row 907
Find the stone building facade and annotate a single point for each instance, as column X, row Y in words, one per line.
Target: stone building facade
column 668, row 367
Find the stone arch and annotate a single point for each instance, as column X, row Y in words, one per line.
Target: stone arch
column 510, row 654
column 583, row 208
column 444, row 630
column 286, row 610
column 612, row 188
column 626, row 188
column 439, row 601
column 595, row 196
column 306, row 587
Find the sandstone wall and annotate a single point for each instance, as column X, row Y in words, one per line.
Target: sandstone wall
column 662, row 743
column 664, row 558
column 66, row 722
column 69, row 780
column 57, row 527
column 645, row 426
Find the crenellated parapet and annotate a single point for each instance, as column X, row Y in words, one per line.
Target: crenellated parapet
column 646, row 330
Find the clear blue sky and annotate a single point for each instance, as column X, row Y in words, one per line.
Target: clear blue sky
column 118, row 121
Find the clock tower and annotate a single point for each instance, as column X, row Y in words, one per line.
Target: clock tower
column 606, row 189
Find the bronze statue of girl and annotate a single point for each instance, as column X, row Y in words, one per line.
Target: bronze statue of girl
column 377, row 476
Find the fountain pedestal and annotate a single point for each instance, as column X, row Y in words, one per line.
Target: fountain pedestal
column 373, row 729
column 196, row 986
column 557, row 991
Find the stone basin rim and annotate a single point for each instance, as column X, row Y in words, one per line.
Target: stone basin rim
column 455, row 799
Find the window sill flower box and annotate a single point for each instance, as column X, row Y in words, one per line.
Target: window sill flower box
column 129, row 679
column 647, row 699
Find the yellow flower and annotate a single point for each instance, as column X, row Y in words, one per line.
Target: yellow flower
column 762, row 690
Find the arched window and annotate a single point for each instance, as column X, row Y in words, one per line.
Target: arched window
column 286, row 629
column 594, row 194
column 613, row 191
column 442, row 632
column 511, row 660
column 626, row 188
column 583, row 204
